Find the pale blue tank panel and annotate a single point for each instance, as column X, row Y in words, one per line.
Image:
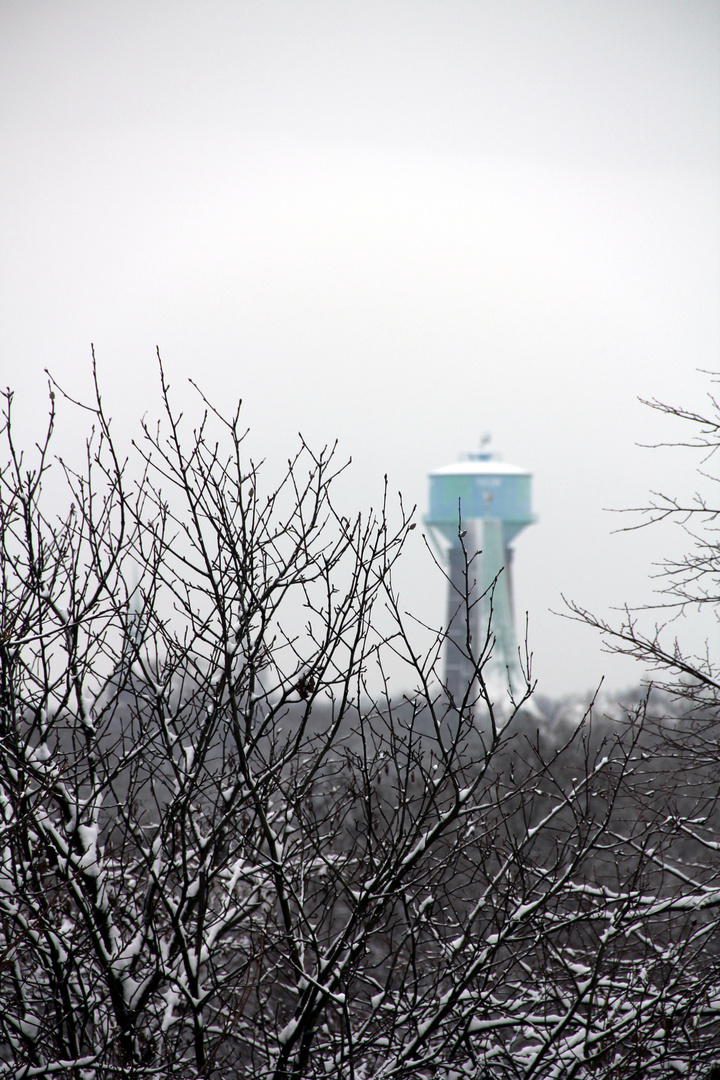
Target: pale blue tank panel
column 503, row 497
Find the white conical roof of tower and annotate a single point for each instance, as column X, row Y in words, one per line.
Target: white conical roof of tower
column 478, row 465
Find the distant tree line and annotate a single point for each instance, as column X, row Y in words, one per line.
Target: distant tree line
column 224, row 854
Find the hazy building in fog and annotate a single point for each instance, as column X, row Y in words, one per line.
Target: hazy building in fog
column 477, row 508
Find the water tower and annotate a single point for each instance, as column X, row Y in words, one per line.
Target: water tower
column 477, row 508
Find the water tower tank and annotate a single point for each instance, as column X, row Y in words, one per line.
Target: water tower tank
column 477, row 508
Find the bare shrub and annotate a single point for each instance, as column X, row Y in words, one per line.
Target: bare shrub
column 222, row 853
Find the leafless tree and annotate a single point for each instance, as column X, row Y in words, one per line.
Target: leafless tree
column 224, row 853
column 686, row 584
column 683, row 769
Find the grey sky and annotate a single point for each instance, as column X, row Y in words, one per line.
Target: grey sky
column 399, row 224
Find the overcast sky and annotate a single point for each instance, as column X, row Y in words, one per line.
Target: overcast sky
column 401, row 224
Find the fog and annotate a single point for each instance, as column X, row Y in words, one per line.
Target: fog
column 399, row 225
